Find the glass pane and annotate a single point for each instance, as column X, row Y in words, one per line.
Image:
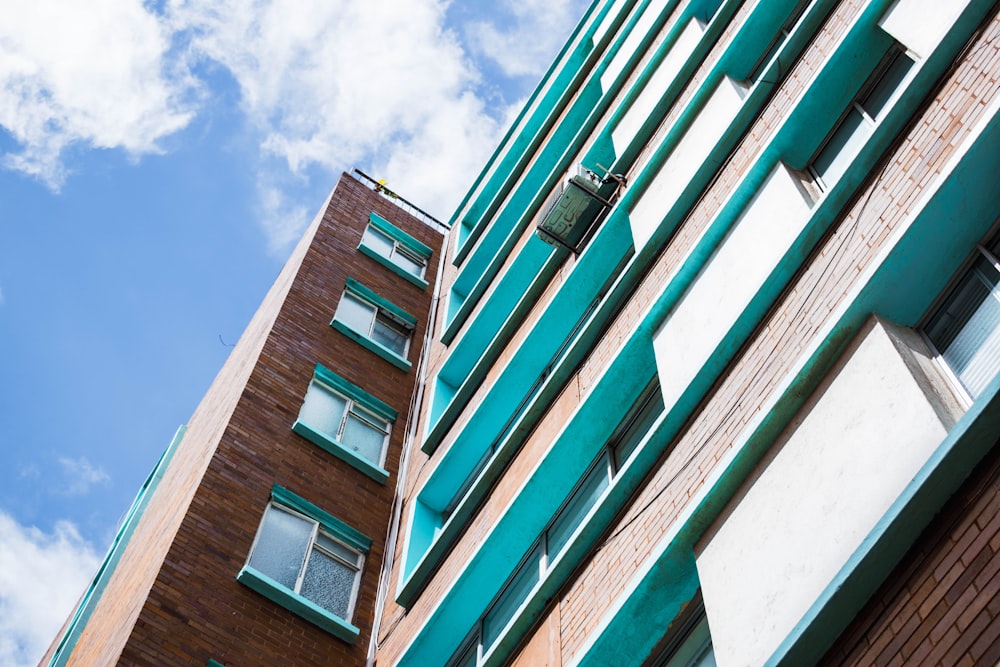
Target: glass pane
column 281, row 546
column 840, row 150
column 516, row 592
column 411, row 264
column 378, row 242
column 329, row 583
column 468, row 657
column 877, row 99
column 363, row 438
column 966, row 331
column 323, row 410
column 356, row 313
column 391, row 334
column 584, row 498
column 627, row 443
column 336, row 548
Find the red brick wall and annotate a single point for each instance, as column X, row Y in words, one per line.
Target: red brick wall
column 195, row 609
column 940, row 606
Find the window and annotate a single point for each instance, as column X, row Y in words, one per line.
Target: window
column 375, row 323
column 395, row 249
column 965, row 328
column 691, row 646
column 544, row 553
column 307, row 561
column 346, row 421
column 865, row 112
column 371, row 321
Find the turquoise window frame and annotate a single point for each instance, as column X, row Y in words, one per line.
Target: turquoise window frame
column 411, row 244
column 285, row 597
column 330, row 444
column 364, row 293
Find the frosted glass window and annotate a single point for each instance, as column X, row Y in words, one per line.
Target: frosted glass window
column 294, row 551
column 966, row 328
column 343, row 420
column 394, row 251
column 373, row 322
column 323, row 409
column 281, row 545
column 356, row 313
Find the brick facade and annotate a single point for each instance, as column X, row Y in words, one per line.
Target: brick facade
column 174, row 598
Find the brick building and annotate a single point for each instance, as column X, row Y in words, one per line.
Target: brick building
column 712, row 379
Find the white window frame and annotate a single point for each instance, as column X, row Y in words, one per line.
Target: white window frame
column 982, row 251
column 317, row 530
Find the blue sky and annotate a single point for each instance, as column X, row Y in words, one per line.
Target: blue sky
column 157, row 162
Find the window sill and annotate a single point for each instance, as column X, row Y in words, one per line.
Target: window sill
column 338, row 449
column 388, row 263
column 298, row 605
column 379, row 349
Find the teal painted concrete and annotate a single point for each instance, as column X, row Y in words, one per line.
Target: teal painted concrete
column 902, row 290
column 570, row 457
column 523, row 147
column 515, row 280
column 298, row 605
column 92, row 596
column 338, row 449
column 371, row 345
column 455, row 472
column 505, row 145
column 561, row 148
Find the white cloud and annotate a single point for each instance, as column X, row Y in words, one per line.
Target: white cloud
column 80, row 475
column 537, row 29
column 380, row 84
column 89, row 73
column 42, row 576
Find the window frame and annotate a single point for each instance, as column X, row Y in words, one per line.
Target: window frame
column 283, row 500
column 632, row 429
column 845, row 155
column 382, row 311
column 988, row 250
column 402, row 244
column 356, row 400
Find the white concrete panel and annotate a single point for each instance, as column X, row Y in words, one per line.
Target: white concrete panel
column 728, row 281
column 628, row 48
column 688, row 155
column 920, row 25
column 642, row 107
column 843, row 461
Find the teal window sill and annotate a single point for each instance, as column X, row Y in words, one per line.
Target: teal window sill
column 338, row 449
column 392, row 266
column 366, row 342
column 298, row 605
